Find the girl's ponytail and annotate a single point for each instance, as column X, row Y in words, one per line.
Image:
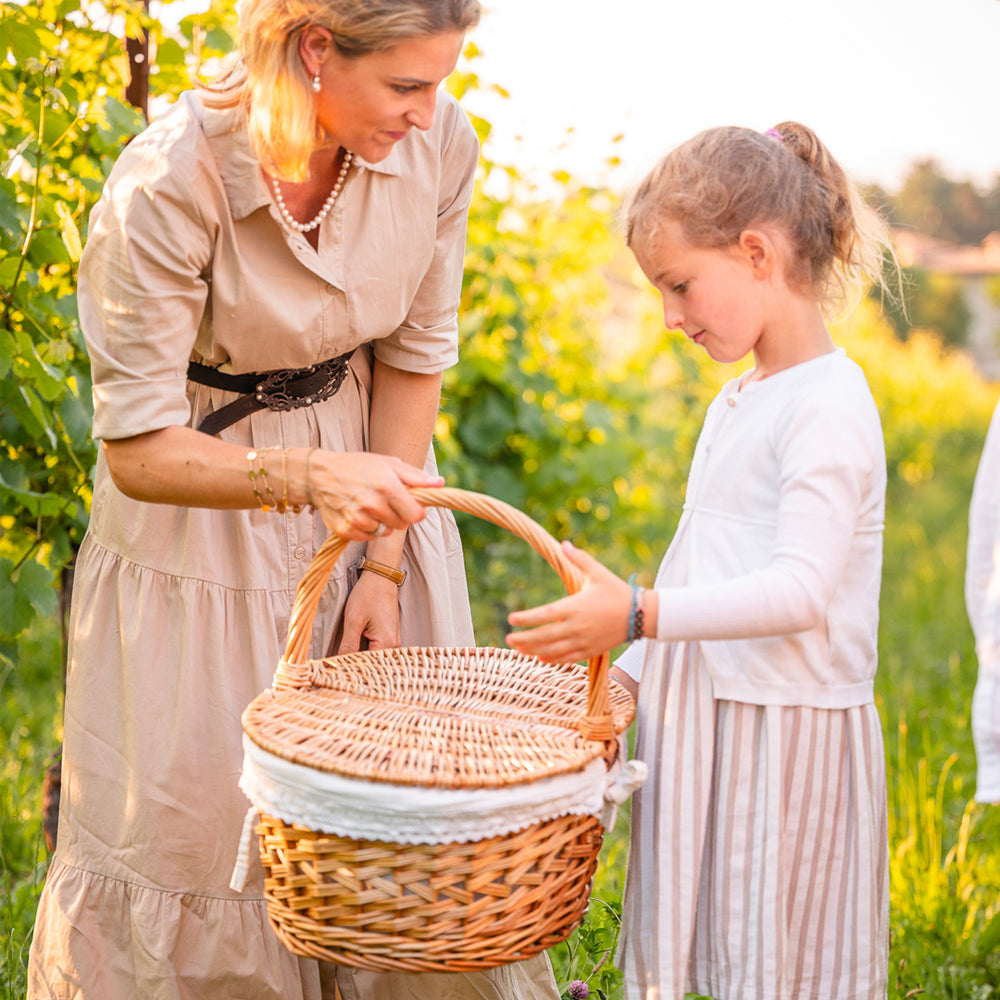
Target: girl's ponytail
column 859, row 236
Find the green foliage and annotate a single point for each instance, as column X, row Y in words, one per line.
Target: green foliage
column 62, row 128
column 30, row 713
column 61, row 131
column 932, row 302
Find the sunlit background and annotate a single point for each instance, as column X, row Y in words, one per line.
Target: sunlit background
column 884, row 82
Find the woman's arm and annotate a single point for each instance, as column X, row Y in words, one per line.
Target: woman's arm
column 353, row 492
column 404, row 411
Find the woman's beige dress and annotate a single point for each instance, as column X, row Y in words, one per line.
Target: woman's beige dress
column 179, row 614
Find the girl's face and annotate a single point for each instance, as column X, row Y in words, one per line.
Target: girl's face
column 714, row 296
column 368, row 103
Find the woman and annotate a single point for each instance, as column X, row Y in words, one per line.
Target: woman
column 269, row 295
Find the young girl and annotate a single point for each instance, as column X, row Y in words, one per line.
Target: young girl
column 759, row 858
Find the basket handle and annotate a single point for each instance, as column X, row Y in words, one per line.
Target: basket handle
column 596, row 725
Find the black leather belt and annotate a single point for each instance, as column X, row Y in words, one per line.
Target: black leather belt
column 282, row 389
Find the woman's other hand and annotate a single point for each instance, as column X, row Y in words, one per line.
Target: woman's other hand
column 371, row 613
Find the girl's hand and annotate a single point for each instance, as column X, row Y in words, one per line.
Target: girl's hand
column 586, row 624
column 362, row 496
column 371, row 612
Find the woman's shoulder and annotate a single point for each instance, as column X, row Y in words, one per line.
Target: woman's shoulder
column 166, row 178
column 174, row 144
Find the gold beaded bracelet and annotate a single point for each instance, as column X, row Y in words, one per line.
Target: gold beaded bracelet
column 258, row 480
column 262, row 491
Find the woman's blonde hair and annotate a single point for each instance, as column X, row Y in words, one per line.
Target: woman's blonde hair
column 267, row 76
column 726, row 180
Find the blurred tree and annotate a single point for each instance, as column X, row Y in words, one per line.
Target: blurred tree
column 932, row 203
column 933, row 303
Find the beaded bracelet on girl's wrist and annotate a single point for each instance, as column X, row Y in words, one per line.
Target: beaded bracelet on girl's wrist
column 635, row 625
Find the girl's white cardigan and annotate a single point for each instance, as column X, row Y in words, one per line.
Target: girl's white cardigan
column 775, row 568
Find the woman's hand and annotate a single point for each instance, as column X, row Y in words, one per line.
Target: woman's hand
column 361, row 496
column 372, row 613
column 586, row 624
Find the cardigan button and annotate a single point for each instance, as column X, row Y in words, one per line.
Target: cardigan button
column 731, row 401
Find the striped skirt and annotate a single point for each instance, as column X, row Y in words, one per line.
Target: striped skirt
column 759, row 863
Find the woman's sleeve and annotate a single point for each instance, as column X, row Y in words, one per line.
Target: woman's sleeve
column 832, row 472
column 142, row 292
column 427, row 341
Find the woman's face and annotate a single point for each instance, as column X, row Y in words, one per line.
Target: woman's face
column 368, row 103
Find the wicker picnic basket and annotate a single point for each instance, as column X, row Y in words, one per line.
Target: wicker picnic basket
column 449, row 727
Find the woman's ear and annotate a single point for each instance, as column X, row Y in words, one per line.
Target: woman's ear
column 314, row 48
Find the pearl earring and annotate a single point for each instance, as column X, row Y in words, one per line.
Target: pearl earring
column 317, row 86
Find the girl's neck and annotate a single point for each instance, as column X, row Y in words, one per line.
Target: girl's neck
column 796, row 334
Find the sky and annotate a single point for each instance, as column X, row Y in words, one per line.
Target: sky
column 883, row 82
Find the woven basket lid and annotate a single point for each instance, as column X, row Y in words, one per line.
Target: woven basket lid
column 434, row 717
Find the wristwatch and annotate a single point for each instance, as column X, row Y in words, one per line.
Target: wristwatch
column 389, row 572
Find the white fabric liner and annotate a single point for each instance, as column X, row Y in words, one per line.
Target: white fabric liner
column 376, row 810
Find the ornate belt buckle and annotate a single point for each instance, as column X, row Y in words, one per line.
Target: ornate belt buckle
column 281, row 390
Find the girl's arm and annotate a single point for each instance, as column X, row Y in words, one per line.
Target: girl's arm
column 404, row 410
column 831, row 477
column 354, row 492
column 790, row 595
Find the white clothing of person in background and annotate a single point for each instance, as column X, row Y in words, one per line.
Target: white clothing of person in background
column 982, row 599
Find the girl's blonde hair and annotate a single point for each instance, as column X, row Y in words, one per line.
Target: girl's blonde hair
column 729, row 179
column 267, row 76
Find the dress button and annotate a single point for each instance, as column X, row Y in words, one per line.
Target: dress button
column 299, row 553
column 731, row 401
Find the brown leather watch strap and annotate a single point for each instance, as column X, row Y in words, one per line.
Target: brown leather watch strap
column 389, row 572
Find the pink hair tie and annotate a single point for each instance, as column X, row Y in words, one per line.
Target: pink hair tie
column 775, row 134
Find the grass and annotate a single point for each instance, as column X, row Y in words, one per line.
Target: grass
column 30, row 713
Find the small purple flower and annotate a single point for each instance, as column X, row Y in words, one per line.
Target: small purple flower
column 579, row 990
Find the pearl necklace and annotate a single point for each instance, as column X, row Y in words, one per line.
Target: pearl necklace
column 307, row 227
